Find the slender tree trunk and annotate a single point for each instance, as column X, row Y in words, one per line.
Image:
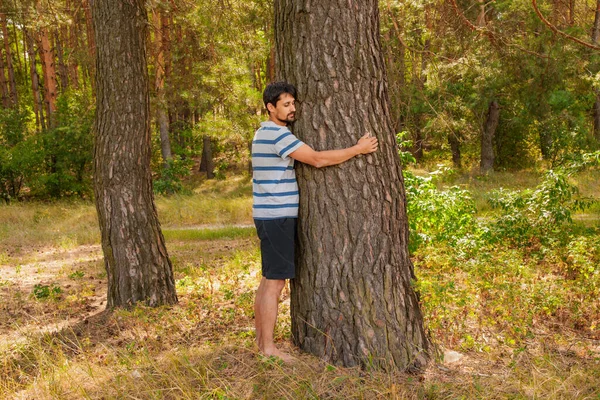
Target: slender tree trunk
column 595, row 40
column 162, row 68
column 454, row 142
column 9, row 65
column 63, row 72
column 71, row 39
column 38, row 105
column 481, row 16
column 3, row 82
column 487, row 137
column 50, row 92
column 353, row 301
column 206, row 162
column 135, row 256
column 91, row 42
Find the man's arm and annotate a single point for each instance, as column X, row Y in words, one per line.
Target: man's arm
column 319, row 159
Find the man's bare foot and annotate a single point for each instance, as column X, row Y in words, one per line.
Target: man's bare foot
column 275, row 352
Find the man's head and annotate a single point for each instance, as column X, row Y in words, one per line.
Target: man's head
column 280, row 100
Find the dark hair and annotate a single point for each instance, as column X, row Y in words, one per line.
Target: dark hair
column 274, row 90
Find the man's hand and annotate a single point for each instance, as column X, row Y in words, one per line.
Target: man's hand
column 367, row 144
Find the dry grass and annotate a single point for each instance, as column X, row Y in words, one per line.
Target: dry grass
column 65, row 346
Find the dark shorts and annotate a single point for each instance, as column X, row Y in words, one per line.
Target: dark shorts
column 277, row 237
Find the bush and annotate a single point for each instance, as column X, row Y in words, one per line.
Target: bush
column 440, row 216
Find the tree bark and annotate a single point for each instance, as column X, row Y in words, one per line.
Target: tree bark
column 135, row 256
column 206, row 162
column 91, row 42
column 49, row 70
column 162, row 68
column 487, row 138
column 9, row 65
column 72, row 44
column 352, row 301
column 63, row 72
column 454, row 142
column 3, row 82
column 595, row 39
column 38, row 104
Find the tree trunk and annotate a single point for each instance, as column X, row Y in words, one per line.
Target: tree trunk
column 3, row 82
column 72, row 45
column 454, row 142
column 9, row 65
column 135, row 256
column 595, row 39
column 206, row 162
column 91, row 42
column 162, row 62
column 487, row 137
column 50, row 91
column 481, row 16
column 352, row 301
column 63, row 72
column 38, row 105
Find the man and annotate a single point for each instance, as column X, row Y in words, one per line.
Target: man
column 275, row 208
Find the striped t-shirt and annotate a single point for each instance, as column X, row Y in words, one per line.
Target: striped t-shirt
column 274, row 186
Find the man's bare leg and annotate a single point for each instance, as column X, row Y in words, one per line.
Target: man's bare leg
column 265, row 311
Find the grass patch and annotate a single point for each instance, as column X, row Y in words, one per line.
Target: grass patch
column 229, row 232
column 524, row 317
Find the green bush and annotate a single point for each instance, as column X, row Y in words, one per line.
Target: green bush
column 440, row 216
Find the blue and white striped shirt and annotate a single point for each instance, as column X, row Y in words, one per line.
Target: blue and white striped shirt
column 274, row 186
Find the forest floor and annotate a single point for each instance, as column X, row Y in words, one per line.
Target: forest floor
column 58, row 342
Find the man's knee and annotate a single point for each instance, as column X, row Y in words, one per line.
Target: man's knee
column 275, row 285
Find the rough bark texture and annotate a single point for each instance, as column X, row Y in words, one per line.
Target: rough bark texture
column 135, row 256
column 352, row 300
column 487, row 137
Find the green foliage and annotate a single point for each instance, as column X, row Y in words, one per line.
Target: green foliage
column 41, row 292
column 404, row 143
column 539, row 213
column 439, row 216
column 17, row 153
column 67, row 149
column 170, row 178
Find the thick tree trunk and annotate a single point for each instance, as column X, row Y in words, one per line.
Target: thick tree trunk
column 9, row 65
column 135, row 256
column 206, row 162
column 352, row 300
column 487, row 138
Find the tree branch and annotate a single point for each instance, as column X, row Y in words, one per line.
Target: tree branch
column 558, row 31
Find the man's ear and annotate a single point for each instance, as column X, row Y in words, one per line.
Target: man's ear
column 270, row 107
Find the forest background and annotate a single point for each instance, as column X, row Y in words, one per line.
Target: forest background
column 497, row 107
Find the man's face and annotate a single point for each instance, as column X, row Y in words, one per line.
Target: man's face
column 284, row 112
